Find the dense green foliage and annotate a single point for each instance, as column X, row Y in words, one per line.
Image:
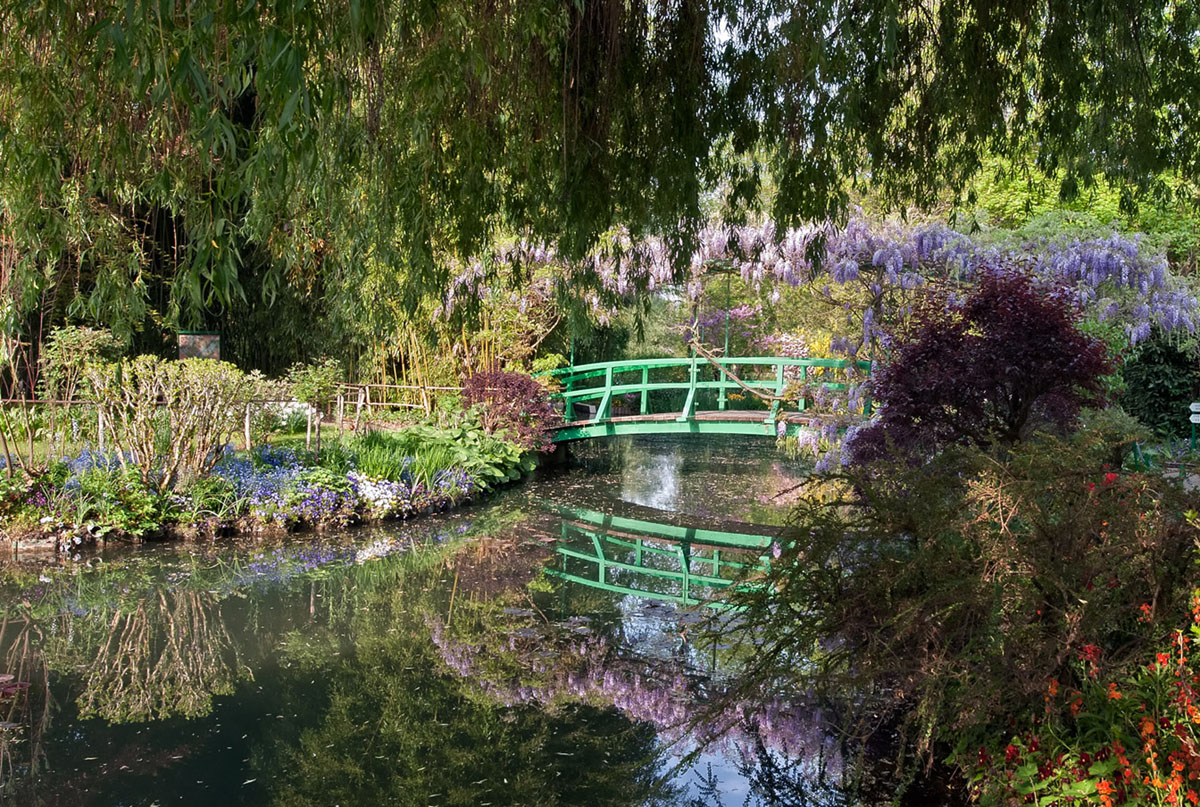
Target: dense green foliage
column 1161, row 379
column 162, row 161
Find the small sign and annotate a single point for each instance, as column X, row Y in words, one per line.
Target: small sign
column 1195, row 418
column 202, row 345
column 1194, row 406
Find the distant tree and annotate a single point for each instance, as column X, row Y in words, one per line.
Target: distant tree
column 990, row 368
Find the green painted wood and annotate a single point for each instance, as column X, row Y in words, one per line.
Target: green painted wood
column 669, row 532
column 665, row 574
column 636, row 592
column 612, row 428
column 605, row 542
column 602, row 382
column 640, row 548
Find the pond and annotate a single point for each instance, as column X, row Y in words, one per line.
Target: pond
column 543, row 648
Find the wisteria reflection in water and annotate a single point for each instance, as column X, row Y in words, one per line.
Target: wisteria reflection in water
column 549, row 666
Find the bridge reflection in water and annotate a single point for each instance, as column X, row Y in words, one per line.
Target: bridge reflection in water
column 678, row 563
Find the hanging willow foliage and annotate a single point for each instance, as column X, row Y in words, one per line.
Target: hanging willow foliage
column 157, row 155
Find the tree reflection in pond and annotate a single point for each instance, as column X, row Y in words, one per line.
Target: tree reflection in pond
column 323, row 671
column 24, row 705
column 167, row 655
column 394, row 726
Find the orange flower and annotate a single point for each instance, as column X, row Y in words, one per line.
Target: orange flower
column 1105, row 788
column 1113, row 694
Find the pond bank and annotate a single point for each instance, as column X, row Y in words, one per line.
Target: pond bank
column 268, row 492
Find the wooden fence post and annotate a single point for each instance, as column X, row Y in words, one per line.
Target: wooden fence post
column 358, row 409
column 341, row 413
column 247, row 425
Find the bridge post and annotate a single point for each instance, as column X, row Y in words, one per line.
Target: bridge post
column 604, row 410
column 645, row 392
column 685, row 557
column 721, row 375
column 778, row 391
column 689, row 405
column 804, row 382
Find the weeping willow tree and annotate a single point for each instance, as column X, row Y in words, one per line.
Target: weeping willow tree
column 167, row 164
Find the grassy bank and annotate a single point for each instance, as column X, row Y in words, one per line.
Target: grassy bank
column 91, row 496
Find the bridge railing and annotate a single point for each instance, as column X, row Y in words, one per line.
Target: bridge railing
column 656, row 561
column 604, row 382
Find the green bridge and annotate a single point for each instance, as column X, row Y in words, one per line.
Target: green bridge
column 652, row 560
column 695, row 395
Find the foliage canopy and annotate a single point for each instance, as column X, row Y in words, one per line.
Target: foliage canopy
column 167, row 156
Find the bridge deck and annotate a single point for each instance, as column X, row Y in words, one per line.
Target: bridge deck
column 747, row 422
column 711, row 416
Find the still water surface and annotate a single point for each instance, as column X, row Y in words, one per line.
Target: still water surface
column 461, row 659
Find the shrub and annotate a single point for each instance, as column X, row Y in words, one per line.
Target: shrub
column 955, row 589
column 1161, row 379
column 314, row 385
column 513, row 404
column 1129, row 739
column 65, row 356
column 104, row 501
column 1008, row 359
column 170, row 419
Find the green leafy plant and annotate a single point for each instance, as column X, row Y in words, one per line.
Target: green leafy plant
column 1128, row 738
column 1161, row 379
column 210, row 497
column 947, row 593
column 314, row 385
column 103, row 502
column 170, row 419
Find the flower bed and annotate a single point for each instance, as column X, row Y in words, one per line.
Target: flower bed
column 272, row 488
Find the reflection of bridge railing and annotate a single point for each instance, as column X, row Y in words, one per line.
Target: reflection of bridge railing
column 615, row 553
column 604, row 383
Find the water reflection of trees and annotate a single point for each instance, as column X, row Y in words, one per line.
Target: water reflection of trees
column 550, row 665
column 165, row 655
column 24, row 712
column 392, row 726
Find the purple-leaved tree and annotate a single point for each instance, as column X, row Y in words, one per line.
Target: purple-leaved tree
column 515, row 404
column 990, row 368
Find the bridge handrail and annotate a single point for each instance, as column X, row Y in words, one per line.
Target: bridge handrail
column 725, row 383
column 596, row 369
column 620, row 389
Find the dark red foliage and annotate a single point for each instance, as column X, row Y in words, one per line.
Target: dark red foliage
column 515, row 404
column 1008, row 359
